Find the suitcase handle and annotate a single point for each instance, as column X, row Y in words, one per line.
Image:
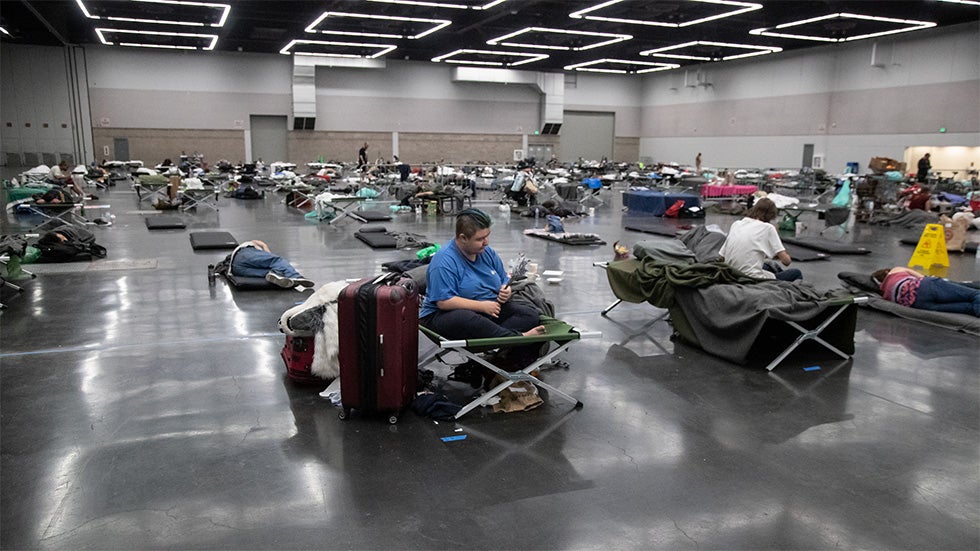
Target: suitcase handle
column 381, row 353
column 386, row 278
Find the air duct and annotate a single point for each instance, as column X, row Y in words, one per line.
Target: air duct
column 304, row 84
column 551, row 86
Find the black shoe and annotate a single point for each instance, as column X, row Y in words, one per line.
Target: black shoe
column 470, row 373
column 303, row 282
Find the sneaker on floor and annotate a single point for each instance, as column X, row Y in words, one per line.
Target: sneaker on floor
column 279, row 280
column 303, row 282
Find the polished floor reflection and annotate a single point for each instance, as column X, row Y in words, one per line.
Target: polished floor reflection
column 143, row 409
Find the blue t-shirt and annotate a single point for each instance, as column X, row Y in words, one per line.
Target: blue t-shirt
column 450, row 274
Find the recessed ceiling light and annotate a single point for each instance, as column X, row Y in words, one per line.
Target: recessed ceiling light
column 208, row 41
column 208, row 6
column 527, row 57
column 436, row 24
column 382, row 49
column 753, row 51
column 631, row 66
column 505, row 40
column 910, row 25
column 740, row 7
column 5, row 31
column 484, row 6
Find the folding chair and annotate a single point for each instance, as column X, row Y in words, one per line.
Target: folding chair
column 837, row 217
column 556, row 331
column 298, row 197
column 593, row 187
column 337, row 207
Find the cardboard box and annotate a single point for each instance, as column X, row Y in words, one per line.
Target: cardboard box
column 881, row 165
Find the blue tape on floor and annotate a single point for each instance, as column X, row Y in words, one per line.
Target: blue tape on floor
column 812, row 368
column 453, row 438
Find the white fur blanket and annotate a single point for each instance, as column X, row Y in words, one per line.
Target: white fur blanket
column 325, row 342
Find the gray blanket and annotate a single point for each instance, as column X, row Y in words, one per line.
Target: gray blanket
column 726, row 320
column 704, row 242
column 909, row 219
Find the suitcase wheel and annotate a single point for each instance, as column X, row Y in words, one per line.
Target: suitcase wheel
column 393, row 419
column 344, row 414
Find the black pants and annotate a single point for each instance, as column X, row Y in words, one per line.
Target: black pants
column 513, row 321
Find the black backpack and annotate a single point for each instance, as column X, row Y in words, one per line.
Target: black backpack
column 78, row 245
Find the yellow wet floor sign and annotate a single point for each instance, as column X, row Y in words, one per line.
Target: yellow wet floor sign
column 931, row 250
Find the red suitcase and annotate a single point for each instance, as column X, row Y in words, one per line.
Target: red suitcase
column 297, row 354
column 379, row 347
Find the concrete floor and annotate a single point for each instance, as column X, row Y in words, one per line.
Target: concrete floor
column 143, row 409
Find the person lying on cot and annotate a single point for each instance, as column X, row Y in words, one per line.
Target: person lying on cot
column 753, row 240
column 468, row 291
column 910, row 288
column 53, row 196
column 424, row 191
column 253, row 259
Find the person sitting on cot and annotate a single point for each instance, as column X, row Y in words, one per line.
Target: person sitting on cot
column 753, row 240
column 253, row 259
column 910, row 288
column 468, row 291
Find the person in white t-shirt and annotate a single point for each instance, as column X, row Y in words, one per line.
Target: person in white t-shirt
column 753, row 240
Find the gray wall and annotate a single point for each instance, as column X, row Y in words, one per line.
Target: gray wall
column 35, row 110
column 756, row 112
column 760, row 112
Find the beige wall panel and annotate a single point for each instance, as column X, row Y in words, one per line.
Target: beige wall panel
column 152, row 145
column 307, row 145
column 898, row 110
column 626, row 149
column 907, row 109
column 780, row 116
column 457, row 148
column 187, row 109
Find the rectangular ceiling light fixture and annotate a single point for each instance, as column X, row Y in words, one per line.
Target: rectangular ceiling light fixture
column 967, row 2
column 739, row 8
column 487, row 58
column 157, row 39
column 427, row 27
column 480, row 5
column 5, row 31
column 905, row 25
column 605, row 39
column 329, row 48
column 629, row 67
column 699, row 45
column 191, row 14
